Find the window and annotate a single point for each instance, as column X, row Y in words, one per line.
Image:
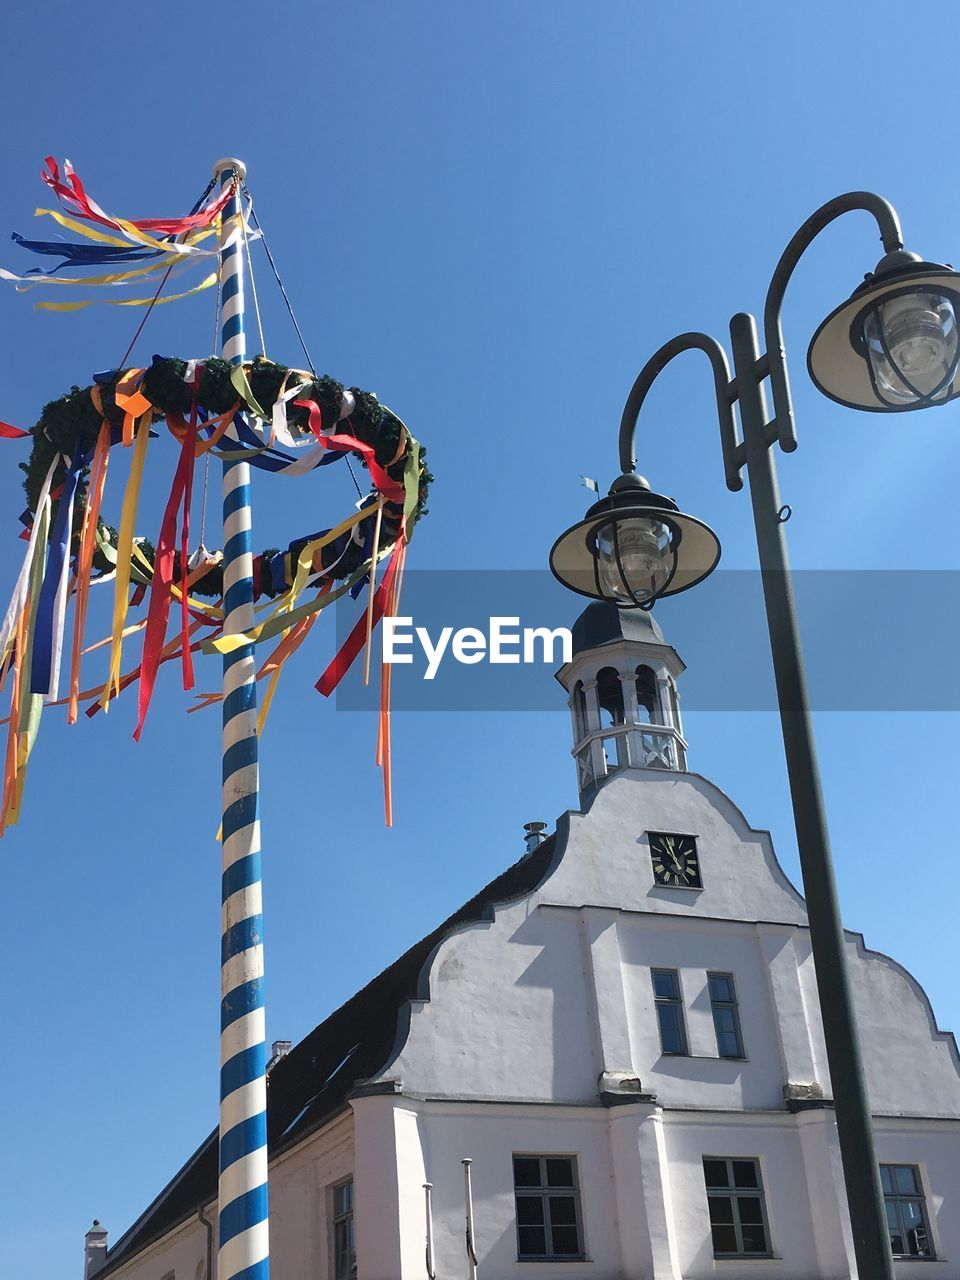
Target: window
column 666, row 995
column 548, row 1207
column 906, row 1215
column 726, row 1019
column 344, row 1239
column 647, row 702
column 738, row 1220
column 610, row 697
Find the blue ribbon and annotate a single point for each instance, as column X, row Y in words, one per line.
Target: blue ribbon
column 79, row 255
column 76, row 253
column 278, row 573
column 60, row 535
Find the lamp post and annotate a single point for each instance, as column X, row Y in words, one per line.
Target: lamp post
column 892, row 346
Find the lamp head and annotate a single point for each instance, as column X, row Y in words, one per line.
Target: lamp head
column 633, row 547
column 893, row 345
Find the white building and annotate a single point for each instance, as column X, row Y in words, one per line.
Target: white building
column 622, row 1032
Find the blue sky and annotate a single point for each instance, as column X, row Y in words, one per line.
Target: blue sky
column 489, row 214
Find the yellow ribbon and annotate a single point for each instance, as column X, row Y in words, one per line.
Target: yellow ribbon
column 119, row 277
column 125, row 546
column 164, row 246
column 82, row 228
column 411, row 484
column 305, row 558
column 278, row 622
column 241, row 384
column 126, row 302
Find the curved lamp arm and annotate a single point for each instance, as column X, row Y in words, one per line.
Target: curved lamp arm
column 721, row 379
column 891, row 235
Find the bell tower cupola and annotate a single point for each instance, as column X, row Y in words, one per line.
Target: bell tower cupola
column 621, row 682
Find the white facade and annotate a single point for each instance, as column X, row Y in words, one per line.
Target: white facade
column 536, row 1033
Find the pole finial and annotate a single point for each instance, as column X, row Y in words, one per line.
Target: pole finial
column 229, row 162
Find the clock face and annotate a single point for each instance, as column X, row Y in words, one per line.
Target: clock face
column 675, row 861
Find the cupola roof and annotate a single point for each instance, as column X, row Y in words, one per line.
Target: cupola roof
column 603, row 623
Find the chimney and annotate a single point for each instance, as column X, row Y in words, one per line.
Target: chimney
column 94, row 1250
column 533, row 834
column 279, row 1050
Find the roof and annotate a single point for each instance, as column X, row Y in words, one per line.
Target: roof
column 603, row 623
column 314, row 1080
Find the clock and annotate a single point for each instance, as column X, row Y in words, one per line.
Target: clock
column 675, row 861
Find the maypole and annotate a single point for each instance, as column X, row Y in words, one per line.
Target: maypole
column 242, row 1193
column 283, row 420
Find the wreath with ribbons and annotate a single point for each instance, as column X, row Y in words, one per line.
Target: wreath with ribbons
column 277, row 418
column 302, row 407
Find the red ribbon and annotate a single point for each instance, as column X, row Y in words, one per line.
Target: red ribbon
column 159, row 610
column 11, row 433
column 354, row 642
column 71, row 192
column 389, row 487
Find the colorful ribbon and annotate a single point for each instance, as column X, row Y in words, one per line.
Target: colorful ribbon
column 22, row 585
column 384, row 483
column 160, row 593
column 124, row 557
column 127, row 302
column 52, row 602
column 70, row 191
column 88, row 531
column 351, row 647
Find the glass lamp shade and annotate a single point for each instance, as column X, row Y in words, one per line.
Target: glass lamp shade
column 911, row 345
column 894, row 344
column 635, row 558
column 634, row 547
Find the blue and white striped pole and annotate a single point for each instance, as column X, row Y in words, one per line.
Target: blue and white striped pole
column 243, row 1225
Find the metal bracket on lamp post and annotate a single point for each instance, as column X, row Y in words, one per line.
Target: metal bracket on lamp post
column 775, row 358
column 729, row 440
column 755, row 452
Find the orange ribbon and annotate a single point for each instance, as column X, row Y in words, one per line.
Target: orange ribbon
column 88, row 538
column 132, row 401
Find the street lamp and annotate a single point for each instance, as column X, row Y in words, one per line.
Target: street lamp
column 892, row 346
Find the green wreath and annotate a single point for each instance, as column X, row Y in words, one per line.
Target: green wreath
column 73, row 422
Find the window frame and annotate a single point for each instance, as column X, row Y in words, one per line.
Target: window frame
column 335, row 1220
column 897, row 1198
column 734, row 1194
column 543, row 1193
column 671, row 1002
column 734, row 1006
